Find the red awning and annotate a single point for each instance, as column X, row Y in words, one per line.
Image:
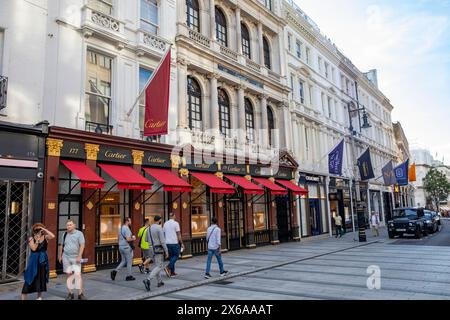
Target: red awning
column 216, row 184
column 126, row 177
column 249, row 188
column 296, row 190
column 88, row 178
column 170, row 181
column 273, row 188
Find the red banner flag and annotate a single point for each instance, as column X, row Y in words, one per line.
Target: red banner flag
column 157, row 100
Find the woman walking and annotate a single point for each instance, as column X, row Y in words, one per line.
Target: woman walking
column 37, row 271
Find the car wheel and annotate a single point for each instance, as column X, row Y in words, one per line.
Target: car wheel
column 418, row 233
column 391, row 235
column 425, row 231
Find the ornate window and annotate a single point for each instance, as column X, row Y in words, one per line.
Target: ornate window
column 266, row 48
column 98, row 92
column 249, row 121
column 245, row 35
column 224, row 113
column 149, row 16
column 193, row 15
column 271, row 123
column 195, row 104
column 221, row 28
column 268, row 4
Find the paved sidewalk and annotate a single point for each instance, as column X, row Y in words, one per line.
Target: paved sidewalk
column 98, row 285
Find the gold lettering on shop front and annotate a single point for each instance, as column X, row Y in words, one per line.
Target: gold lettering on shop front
column 115, row 155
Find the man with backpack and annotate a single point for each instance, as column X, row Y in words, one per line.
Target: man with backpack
column 158, row 247
column 144, row 245
column 70, row 255
column 213, row 238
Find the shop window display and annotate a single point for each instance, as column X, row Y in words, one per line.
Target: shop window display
column 157, row 204
column 111, row 211
column 260, row 216
column 200, row 212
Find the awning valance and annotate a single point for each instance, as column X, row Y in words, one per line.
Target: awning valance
column 273, row 188
column 247, row 186
column 170, row 181
column 296, row 190
column 217, row 185
column 126, row 177
column 88, row 178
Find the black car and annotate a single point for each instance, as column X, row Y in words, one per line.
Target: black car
column 407, row 221
column 431, row 221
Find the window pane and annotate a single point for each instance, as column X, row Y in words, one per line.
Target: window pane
column 199, row 209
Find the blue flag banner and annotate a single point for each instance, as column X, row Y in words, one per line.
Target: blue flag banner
column 389, row 175
column 335, row 159
column 401, row 173
column 365, row 166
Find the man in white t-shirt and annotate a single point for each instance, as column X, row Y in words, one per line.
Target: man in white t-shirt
column 174, row 242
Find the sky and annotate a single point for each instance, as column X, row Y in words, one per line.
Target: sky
column 408, row 42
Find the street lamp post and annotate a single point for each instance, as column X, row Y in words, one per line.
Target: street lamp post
column 360, row 205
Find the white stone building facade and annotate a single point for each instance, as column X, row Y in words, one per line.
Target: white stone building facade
column 240, row 69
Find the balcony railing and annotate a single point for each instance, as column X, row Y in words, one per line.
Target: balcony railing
column 100, row 128
column 199, row 38
column 3, row 91
column 202, row 138
column 229, row 53
column 107, row 25
column 253, row 65
column 152, row 42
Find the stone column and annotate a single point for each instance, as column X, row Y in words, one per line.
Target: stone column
column 264, row 121
column 182, row 93
column 294, row 135
column 282, row 50
column 238, row 31
column 214, row 107
column 241, row 106
column 181, row 12
column 260, row 41
column 51, row 187
column 212, row 15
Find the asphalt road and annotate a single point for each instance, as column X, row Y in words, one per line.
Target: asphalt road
column 441, row 238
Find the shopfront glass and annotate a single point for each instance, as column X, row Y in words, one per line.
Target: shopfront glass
column 200, row 208
column 69, row 200
column 323, row 208
column 113, row 208
column 156, row 202
column 260, row 219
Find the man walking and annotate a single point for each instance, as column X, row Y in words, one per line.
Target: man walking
column 375, row 222
column 174, row 243
column 70, row 255
column 126, row 247
column 158, row 247
column 213, row 238
column 143, row 244
column 338, row 224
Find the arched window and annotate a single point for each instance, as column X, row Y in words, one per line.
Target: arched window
column 195, row 104
column 224, row 113
column 266, row 48
column 249, row 121
column 271, row 123
column 221, row 28
column 193, row 15
column 245, row 35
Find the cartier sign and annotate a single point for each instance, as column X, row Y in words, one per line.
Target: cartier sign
column 157, row 159
column 115, row 155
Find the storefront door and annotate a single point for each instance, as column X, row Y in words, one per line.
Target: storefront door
column 314, row 212
column 235, row 224
column 14, row 228
column 283, row 218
